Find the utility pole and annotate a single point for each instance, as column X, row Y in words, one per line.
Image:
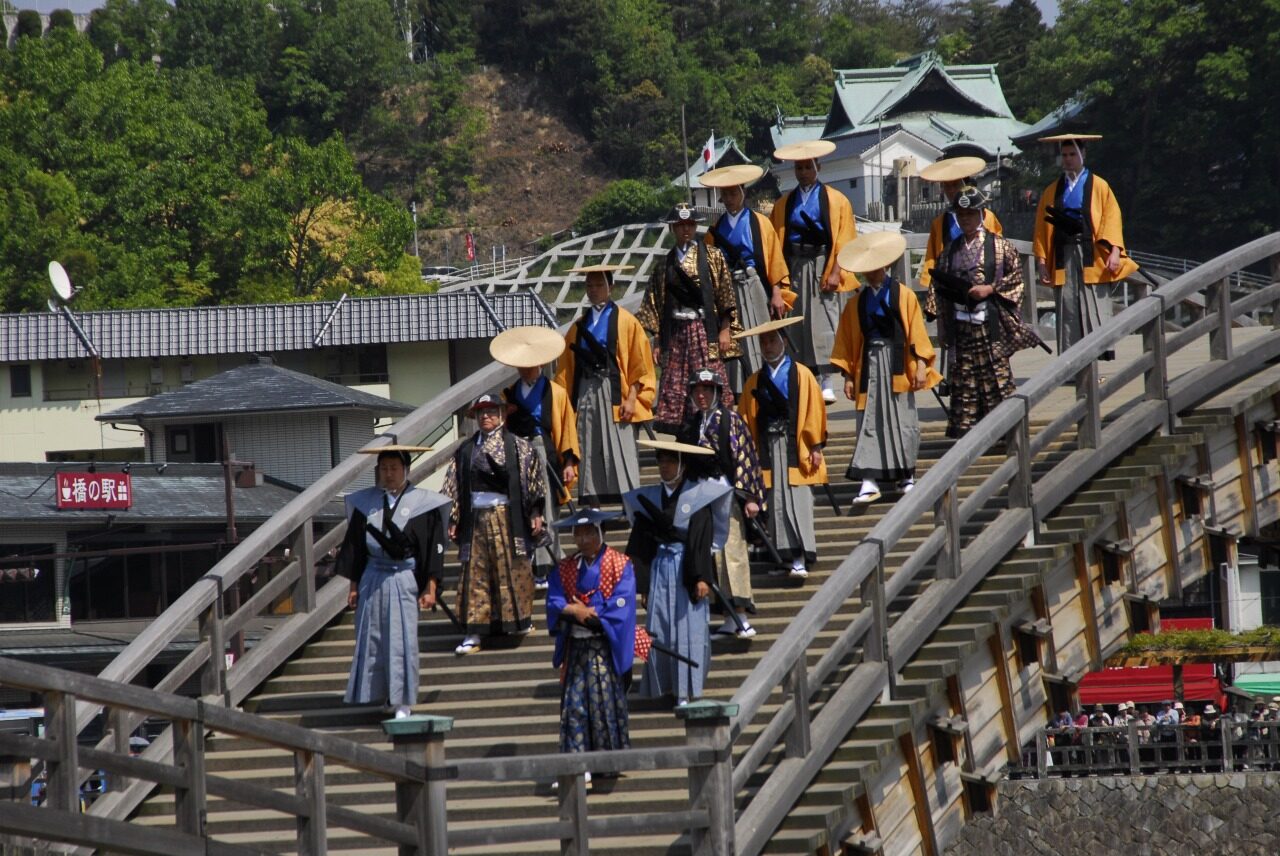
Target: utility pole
column 684, row 140
column 413, row 209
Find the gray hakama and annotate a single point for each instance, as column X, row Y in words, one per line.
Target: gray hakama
column 753, row 310
column 821, row 311
column 385, row 664
column 790, row 509
column 888, row 430
column 610, row 466
column 679, row 623
column 1079, row 311
column 548, row 553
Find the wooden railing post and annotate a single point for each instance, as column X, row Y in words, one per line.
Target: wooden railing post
column 62, row 787
column 1228, row 763
column 420, row 739
column 1018, row 445
column 875, row 647
column 1030, row 292
column 189, row 807
column 1089, row 429
column 304, row 550
column 308, row 785
column 1156, row 378
column 711, row 788
column 118, row 721
column 1132, row 738
column 946, row 513
column 797, row 690
column 213, row 675
column 572, row 793
column 1219, row 297
column 1042, row 755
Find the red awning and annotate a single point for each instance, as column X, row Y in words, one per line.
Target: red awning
column 1148, row 684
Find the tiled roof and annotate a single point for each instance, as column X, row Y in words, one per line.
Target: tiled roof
column 255, row 388
column 264, row 328
column 183, row 493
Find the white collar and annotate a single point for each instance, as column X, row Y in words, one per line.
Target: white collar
column 734, row 218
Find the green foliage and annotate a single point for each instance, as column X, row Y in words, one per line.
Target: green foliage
column 622, row 202
column 63, row 19
column 29, row 25
column 129, row 29
column 1200, row 641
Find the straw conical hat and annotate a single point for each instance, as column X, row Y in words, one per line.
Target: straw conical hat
column 871, row 251
column 673, row 446
column 602, row 269
column 1062, row 138
column 731, row 176
column 394, row 447
column 770, row 326
column 953, row 169
column 526, row 347
column 807, row 150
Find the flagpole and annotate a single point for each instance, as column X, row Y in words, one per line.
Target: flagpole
column 684, row 138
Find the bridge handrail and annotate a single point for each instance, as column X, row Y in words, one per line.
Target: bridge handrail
column 886, row 647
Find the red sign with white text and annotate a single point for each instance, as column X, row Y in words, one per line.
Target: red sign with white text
column 94, row 490
column 471, row 247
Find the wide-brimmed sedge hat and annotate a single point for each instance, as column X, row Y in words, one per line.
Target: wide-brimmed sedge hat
column 592, row 517
column 607, row 269
column 803, row 151
column 769, row 326
column 953, row 169
column 400, row 450
column 969, row 198
column 739, row 175
column 526, row 347
column 682, row 212
column 673, row 446
column 1063, row 138
column 871, row 251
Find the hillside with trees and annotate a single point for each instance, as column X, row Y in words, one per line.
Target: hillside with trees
column 243, row 150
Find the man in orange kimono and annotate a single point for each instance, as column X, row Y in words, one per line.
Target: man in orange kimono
column 951, row 174
column 783, row 408
column 608, row 372
column 1079, row 243
column 814, row 222
column 754, row 253
column 885, row 354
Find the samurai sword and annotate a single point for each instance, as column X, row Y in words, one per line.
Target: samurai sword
column 449, row 612
column 831, row 498
column 728, row 607
column 754, row 523
column 558, row 483
column 663, row 649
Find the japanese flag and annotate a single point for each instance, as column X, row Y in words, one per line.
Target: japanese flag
column 709, row 153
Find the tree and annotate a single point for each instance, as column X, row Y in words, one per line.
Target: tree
column 29, row 25
column 129, row 29
column 231, row 37
column 622, row 202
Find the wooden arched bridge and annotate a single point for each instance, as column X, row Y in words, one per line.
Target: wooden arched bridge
column 873, row 713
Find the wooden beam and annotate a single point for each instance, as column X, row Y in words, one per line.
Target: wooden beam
column 1249, row 490
column 1088, row 606
column 919, row 794
column 1013, row 746
column 956, row 696
column 1040, row 603
column 1169, row 532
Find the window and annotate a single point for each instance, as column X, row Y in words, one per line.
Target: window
column 1270, row 591
column 27, row 584
column 20, row 380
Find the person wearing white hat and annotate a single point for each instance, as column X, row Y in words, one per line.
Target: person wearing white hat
column 885, row 355
column 783, row 408
column 814, row 222
column 751, row 246
column 1079, row 242
column 691, row 308
column 973, row 329
column 393, row 553
column 674, row 526
column 497, row 484
column 950, row 174
column 540, row 412
column 607, row 369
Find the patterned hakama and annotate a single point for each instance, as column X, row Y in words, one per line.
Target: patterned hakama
column 385, row 665
column 790, row 509
column 821, row 311
column 733, row 563
column 888, row 431
column 980, row 380
column 610, row 466
column 686, row 353
column 593, row 703
column 495, row 589
column 753, row 310
column 1078, row 310
column 678, row 623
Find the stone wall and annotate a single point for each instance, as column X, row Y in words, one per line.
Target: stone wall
column 1211, row 813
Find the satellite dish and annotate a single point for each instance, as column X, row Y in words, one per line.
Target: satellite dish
column 61, row 282
column 54, row 306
